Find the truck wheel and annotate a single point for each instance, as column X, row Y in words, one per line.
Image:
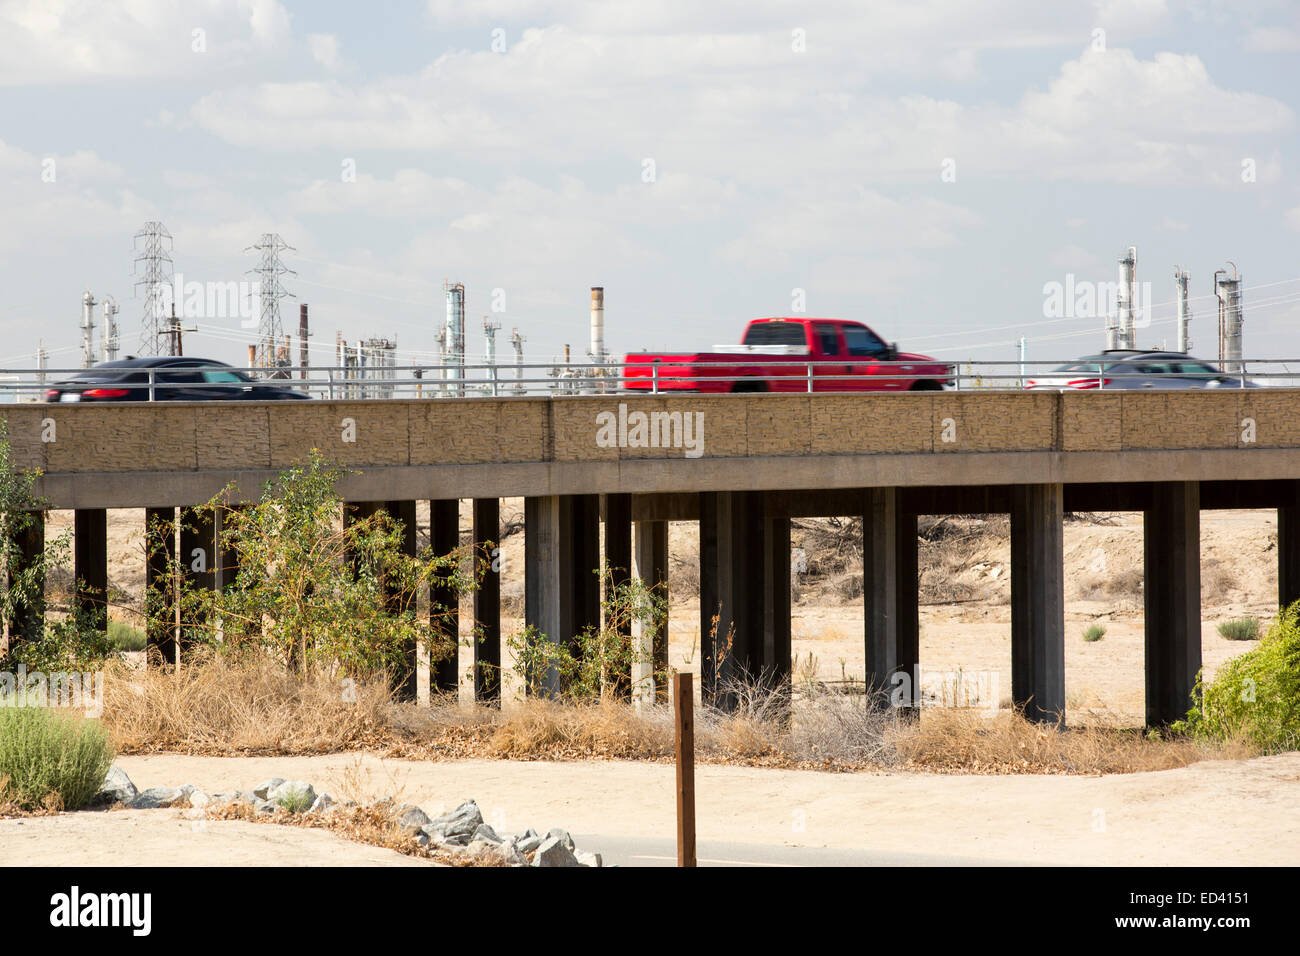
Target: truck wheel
column 926, row 385
column 750, row 385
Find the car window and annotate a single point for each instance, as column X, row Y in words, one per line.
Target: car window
column 1195, row 368
column 776, row 333
column 178, row 376
column 863, row 342
column 226, row 375
column 1151, row 368
column 828, row 337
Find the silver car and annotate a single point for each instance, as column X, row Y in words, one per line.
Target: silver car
column 1133, row 369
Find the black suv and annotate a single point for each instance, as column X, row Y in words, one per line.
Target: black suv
column 176, row 379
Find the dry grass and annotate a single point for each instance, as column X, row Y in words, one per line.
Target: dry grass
column 223, row 704
column 249, row 706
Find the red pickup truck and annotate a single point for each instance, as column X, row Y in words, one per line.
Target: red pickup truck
column 791, row 355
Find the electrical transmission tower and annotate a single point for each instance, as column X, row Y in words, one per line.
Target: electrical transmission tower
column 153, row 248
column 270, row 333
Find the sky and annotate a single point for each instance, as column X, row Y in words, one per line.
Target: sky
column 934, row 168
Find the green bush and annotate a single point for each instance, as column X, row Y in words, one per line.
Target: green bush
column 124, row 637
column 1240, row 629
column 1256, row 697
column 1094, row 632
column 45, row 751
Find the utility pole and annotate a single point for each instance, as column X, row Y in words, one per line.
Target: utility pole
column 173, row 333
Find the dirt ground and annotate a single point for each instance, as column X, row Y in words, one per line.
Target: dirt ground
column 1222, row 813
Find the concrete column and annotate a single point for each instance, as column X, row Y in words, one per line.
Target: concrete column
column 709, row 606
column 907, row 604
column 618, row 561
column 776, row 664
column 561, row 588
column 880, row 589
column 1038, row 602
column 444, row 538
column 736, row 578
column 90, row 564
column 1288, row 550
column 227, row 569
column 198, row 558
column 1172, row 589
column 160, row 598
column 650, row 565
column 487, row 601
column 29, row 621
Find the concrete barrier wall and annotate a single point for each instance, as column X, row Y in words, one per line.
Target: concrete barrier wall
column 601, row 431
column 178, row 437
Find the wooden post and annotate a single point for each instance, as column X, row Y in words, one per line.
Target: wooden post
column 684, row 713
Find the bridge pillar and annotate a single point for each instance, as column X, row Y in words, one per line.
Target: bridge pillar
column 90, row 564
column 227, row 569
column 487, row 601
column 907, row 606
column 1038, row 602
column 28, row 622
column 444, row 601
column 404, row 511
column 650, row 565
column 198, row 557
column 733, row 582
column 1288, row 549
column 618, row 562
column 160, row 591
column 561, row 556
column 880, row 589
column 776, row 664
column 1172, row 589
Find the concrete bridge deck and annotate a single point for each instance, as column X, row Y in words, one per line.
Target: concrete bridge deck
column 740, row 465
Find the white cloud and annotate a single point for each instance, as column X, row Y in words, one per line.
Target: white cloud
column 1292, row 218
column 68, row 41
column 1272, row 40
column 324, row 49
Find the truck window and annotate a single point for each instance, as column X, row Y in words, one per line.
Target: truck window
column 828, row 338
column 862, row 342
column 776, row 333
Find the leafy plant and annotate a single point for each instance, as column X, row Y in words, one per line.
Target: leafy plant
column 1094, row 632
column 314, row 590
column 1255, row 697
column 1240, row 629
column 124, row 637
column 48, row 757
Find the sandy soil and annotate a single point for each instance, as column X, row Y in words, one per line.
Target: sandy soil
column 1227, row 813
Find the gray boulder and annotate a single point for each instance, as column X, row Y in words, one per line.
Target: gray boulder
column 156, row 797
column 553, row 852
column 266, row 786
column 486, row 834
column 117, row 788
column 199, row 800
column 263, row 807
column 563, row 837
column 589, row 859
column 411, row 817
column 323, row 803
column 456, row 827
column 510, row 853
column 530, row 841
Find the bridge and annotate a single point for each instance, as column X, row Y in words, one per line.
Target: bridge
column 742, row 466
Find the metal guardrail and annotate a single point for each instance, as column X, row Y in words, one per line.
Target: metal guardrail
column 345, row 383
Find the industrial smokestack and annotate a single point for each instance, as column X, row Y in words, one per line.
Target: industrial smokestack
column 1184, row 311
column 87, row 330
column 108, row 339
column 303, row 335
column 1126, row 337
column 454, row 346
column 598, row 324
column 1228, row 292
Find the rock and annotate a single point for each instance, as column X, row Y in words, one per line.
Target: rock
column 421, row 837
column 266, row 786
column 456, row 827
column 511, row 854
column 480, row 848
column 588, row 859
column 117, row 788
column 199, row 800
column 530, row 841
column 264, row 807
column 156, row 797
column 553, row 852
column 296, row 792
column 323, row 803
column 410, row 817
column 486, row 834
column 563, row 837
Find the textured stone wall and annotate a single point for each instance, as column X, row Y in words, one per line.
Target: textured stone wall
column 165, row 437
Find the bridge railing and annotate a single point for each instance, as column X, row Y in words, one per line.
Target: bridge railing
column 792, row 374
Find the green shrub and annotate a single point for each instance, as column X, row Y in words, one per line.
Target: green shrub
column 46, row 752
column 1256, row 697
column 124, row 637
column 1094, row 632
column 1240, row 629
